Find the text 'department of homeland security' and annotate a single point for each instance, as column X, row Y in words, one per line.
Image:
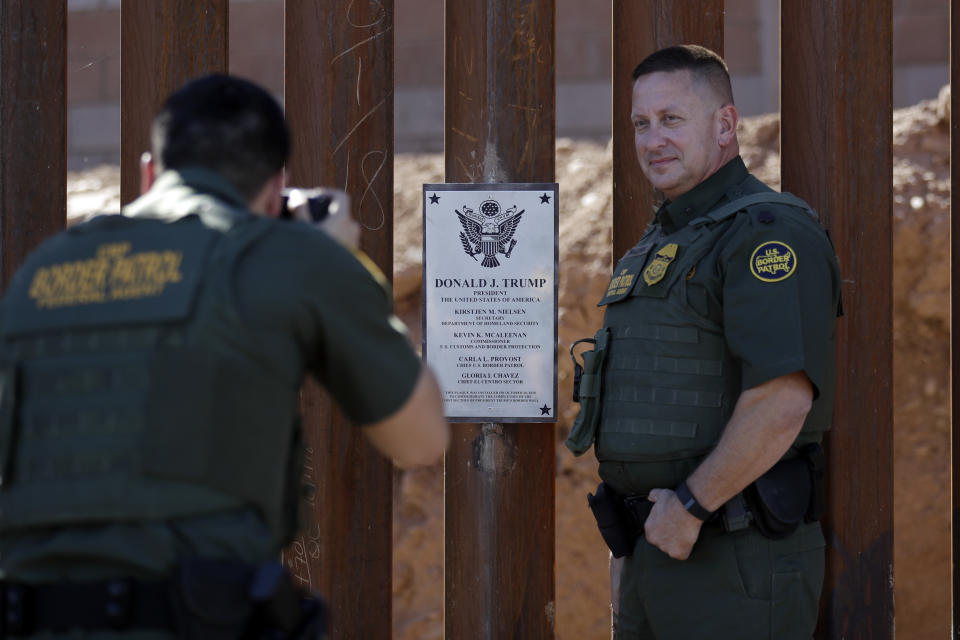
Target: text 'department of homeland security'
column 490, row 262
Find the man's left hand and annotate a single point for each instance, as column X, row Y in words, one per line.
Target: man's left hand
column 670, row 527
column 342, row 228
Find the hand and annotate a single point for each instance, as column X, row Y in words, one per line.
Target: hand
column 343, row 228
column 670, row 527
column 338, row 223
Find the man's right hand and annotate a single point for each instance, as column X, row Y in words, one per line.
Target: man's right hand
column 670, row 527
column 343, row 228
column 338, row 223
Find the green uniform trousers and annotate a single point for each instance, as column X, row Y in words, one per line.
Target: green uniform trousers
column 735, row 586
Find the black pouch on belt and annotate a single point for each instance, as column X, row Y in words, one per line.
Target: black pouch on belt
column 788, row 494
column 210, row 600
column 586, row 391
column 617, row 526
column 285, row 610
column 221, row 599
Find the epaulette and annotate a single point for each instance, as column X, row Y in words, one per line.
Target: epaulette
column 740, row 204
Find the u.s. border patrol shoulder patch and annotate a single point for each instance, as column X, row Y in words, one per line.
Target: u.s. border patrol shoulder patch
column 773, row 261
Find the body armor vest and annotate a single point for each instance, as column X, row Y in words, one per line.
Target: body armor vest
column 126, row 393
column 669, row 381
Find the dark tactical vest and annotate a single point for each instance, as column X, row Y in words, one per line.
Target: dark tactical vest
column 669, row 382
column 128, row 392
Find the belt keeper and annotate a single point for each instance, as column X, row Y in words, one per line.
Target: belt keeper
column 735, row 514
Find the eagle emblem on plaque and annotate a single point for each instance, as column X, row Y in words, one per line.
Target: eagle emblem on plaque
column 489, row 231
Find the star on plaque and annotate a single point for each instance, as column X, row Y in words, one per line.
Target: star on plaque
column 544, row 199
column 434, row 199
column 544, row 410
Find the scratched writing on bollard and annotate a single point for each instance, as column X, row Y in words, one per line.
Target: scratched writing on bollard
column 297, row 556
column 370, row 211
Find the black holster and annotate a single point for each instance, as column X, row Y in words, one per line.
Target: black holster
column 791, row 492
column 216, row 599
column 619, row 518
column 212, row 599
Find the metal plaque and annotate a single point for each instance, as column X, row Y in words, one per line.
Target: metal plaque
column 490, row 255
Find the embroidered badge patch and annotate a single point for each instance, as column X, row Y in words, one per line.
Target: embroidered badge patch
column 620, row 283
column 773, row 261
column 658, row 268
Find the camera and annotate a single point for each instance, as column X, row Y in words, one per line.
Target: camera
column 321, row 203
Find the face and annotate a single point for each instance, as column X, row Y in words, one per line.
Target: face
column 682, row 131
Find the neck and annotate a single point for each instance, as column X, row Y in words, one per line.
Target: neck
column 267, row 202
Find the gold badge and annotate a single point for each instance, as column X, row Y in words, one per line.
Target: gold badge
column 658, row 268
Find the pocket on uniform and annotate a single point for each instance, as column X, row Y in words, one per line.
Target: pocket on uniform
column 784, row 605
column 584, row 429
column 697, row 299
column 795, row 600
column 752, row 558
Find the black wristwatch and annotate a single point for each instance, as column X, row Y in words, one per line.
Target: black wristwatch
column 690, row 503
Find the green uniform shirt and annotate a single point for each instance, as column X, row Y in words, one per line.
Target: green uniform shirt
column 769, row 285
column 312, row 307
column 776, row 319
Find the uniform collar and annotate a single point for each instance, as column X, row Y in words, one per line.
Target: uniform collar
column 188, row 191
column 202, row 180
column 675, row 214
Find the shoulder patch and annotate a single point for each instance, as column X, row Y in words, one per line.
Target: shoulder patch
column 773, row 261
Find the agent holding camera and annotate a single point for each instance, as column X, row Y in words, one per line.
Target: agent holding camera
column 711, row 382
column 150, row 368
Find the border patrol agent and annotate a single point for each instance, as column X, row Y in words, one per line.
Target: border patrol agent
column 710, row 385
column 150, row 448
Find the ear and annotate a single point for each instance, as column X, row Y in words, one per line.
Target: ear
column 727, row 119
column 272, row 195
column 148, row 172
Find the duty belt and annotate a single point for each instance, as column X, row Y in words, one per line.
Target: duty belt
column 734, row 515
column 113, row 605
column 203, row 598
